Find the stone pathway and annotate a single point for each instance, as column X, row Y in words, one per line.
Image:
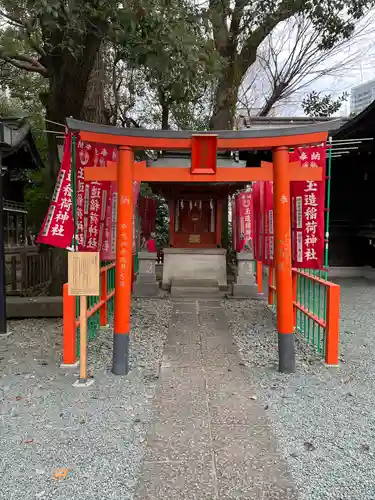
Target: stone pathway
column 210, row 438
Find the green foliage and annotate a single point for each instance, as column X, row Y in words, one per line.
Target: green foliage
column 316, row 104
column 177, row 56
column 162, row 224
column 38, row 197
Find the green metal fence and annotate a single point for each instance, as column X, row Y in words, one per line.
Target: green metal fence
column 316, row 305
column 311, row 307
column 95, row 305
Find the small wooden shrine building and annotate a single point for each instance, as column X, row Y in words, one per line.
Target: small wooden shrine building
column 352, row 211
column 19, row 156
column 197, row 214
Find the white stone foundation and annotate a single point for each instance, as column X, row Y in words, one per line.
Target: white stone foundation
column 195, row 263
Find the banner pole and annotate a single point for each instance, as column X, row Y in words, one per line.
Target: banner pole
column 328, row 205
column 73, row 171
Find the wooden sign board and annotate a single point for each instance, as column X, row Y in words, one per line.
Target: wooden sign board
column 84, row 273
column 194, row 238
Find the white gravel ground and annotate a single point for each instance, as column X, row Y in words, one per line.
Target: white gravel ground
column 324, row 418
column 98, row 432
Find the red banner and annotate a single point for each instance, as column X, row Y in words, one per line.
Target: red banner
column 234, row 224
column 92, row 197
column 58, row 225
column 268, row 233
column 307, row 205
column 256, row 205
column 108, row 250
column 244, row 219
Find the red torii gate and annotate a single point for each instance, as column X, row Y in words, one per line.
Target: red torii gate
column 204, row 146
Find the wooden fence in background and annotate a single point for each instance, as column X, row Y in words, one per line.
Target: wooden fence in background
column 27, row 270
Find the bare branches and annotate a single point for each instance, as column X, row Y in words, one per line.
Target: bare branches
column 291, row 59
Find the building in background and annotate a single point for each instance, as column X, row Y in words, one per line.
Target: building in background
column 361, row 97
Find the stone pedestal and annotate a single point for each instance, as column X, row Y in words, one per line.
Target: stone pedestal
column 146, row 284
column 194, row 264
column 245, row 285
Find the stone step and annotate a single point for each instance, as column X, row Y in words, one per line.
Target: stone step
column 192, row 291
column 194, row 283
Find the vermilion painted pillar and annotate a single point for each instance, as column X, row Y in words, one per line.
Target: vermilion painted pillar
column 283, row 259
column 124, row 257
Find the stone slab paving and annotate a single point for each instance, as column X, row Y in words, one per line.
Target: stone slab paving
column 210, row 438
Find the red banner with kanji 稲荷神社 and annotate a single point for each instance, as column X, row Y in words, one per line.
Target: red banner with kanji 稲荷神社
column 91, row 198
column 307, row 207
column 58, row 225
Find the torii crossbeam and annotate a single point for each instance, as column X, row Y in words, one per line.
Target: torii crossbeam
column 204, row 168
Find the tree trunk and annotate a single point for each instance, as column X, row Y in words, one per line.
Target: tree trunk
column 164, row 109
column 94, row 105
column 226, row 98
column 68, row 83
column 165, row 116
column 227, row 90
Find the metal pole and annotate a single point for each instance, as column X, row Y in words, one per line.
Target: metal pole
column 3, row 314
column 328, row 205
column 283, row 259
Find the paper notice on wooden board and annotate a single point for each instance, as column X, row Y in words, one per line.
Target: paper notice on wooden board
column 84, row 273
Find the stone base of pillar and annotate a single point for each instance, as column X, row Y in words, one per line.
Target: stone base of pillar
column 245, row 286
column 245, row 291
column 146, row 284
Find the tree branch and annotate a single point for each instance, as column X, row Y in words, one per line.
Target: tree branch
column 218, row 11
column 285, row 10
column 24, row 62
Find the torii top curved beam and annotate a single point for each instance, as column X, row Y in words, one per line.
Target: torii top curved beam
column 266, row 138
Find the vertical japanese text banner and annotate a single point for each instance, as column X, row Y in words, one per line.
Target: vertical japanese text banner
column 268, row 235
column 92, row 197
column 108, row 251
column 234, row 225
column 245, row 217
column 58, row 225
column 257, row 244
column 307, row 206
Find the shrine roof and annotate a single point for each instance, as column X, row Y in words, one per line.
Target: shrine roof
column 244, row 121
column 249, row 133
column 183, row 160
column 17, row 144
column 359, row 126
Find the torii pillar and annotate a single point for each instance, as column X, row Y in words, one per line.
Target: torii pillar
column 124, row 254
column 283, row 259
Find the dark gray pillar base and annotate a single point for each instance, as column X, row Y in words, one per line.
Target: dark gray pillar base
column 146, row 289
column 287, row 355
column 120, row 354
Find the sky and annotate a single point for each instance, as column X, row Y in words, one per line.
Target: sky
column 346, row 66
column 357, row 62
